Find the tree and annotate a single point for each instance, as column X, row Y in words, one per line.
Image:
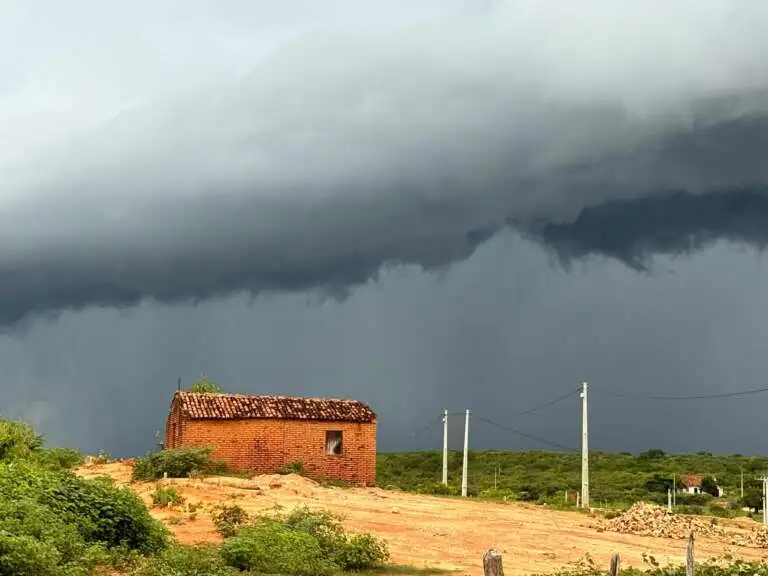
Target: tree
column 709, row 486
column 652, row 454
column 204, row 385
column 658, row 483
column 753, row 498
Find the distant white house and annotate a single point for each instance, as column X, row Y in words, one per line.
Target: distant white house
column 691, row 484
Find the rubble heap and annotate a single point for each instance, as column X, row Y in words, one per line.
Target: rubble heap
column 645, row 519
column 650, row 520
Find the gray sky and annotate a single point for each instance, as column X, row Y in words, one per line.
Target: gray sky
column 424, row 205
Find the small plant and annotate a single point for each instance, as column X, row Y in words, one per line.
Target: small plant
column 292, row 468
column 228, row 518
column 204, row 385
column 175, row 520
column 165, row 496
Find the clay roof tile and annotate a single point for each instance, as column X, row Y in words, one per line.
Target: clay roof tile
column 199, row 406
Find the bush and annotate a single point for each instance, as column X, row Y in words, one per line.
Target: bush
column 176, row 463
column 57, row 458
column 17, row 440
column 107, row 513
column 35, row 540
column 164, row 496
column 272, row 547
column 53, row 523
column 228, row 519
column 363, row 552
column 358, row 553
column 292, row 468
column 438, row 488
column 205, row 385
column 694, row 499
column 186, row 561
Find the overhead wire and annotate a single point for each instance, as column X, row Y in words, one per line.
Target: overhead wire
column 690, row 397
column 519, row 432
column 547, row 404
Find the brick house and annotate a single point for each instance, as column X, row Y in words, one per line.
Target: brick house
column 332, row 438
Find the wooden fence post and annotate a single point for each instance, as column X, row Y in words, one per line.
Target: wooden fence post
column 689, row 556
column 492, row 563
column 615, row 564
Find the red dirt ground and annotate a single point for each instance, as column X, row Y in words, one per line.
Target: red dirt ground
column 425, row 531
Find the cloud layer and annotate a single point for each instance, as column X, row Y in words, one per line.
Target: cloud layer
column 592, row 127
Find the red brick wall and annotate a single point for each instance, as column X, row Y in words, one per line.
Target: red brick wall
column 265, row 445
column 173, row 427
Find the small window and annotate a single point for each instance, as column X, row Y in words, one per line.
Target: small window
column 333, row 445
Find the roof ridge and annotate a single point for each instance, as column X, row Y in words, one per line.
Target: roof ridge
column 223, row 405
column 276, row 396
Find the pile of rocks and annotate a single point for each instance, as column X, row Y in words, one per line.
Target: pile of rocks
column 650, row 520
column 645, row 519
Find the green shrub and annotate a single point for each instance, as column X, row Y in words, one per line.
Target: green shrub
column 108, row 513
column 204, row 385
column 229, row 518
column 693, row 499
column 322, row 525
column 186, row 561
column 36, row 540
column 164, row 496
column 438, row 488
column 358, row 553
column 292, row 468
column 17, row 440
column 363, row 552
column 176, row 463
column 273, row 548
column 57, row 458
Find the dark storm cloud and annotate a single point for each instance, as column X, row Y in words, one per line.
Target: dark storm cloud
column 341, row 155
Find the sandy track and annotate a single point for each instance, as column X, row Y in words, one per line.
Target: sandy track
column 426, row 531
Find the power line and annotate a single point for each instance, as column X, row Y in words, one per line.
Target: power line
column 547, row 404
column 693, row 397
column 428, row 426
column 526, row 435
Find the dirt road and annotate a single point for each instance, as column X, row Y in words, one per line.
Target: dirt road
column 428, row 531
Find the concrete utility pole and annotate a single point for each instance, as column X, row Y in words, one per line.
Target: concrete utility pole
column 669, row 499
column 674, row 489
column 466, row 456
column 584, row 448
column 765, row 497
column 742, row 482
column 445, row 447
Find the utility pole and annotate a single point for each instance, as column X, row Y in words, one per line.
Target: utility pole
column 742, row 482
column 674, row 488
column 669, row 500
column 445, row 447
column 466, row 456
column 584, row 448
column 765, row 497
